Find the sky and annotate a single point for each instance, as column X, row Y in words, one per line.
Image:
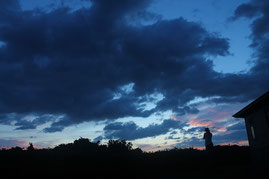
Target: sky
column 152, row 72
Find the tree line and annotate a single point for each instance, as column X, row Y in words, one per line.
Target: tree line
column 119, row 159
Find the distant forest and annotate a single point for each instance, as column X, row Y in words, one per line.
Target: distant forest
column 86, row 159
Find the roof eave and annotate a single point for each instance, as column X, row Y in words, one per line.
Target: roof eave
column 239, row 115
column 247, row 109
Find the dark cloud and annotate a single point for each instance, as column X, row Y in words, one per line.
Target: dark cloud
column 195, row 129
column 23, row 122
column 260, row 40
column 58, row 125
column 9, row 11
column 130, row 131
column 246, row 10
column 259, row 26
column 72, row 63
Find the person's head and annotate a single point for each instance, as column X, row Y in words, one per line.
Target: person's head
column 207, row 129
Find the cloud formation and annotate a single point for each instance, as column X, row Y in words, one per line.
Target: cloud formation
column 130, row 131
column 257, row 10
column 73, row 63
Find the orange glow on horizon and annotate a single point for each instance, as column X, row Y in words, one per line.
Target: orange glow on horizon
column 199, row 148
column 240, row 143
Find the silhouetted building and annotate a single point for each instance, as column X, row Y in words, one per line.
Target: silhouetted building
column 256, row 116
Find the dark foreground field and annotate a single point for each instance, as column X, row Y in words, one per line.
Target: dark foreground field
column 117, row 159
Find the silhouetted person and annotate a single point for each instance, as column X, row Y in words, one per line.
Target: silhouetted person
column 30, row 147
column 208, row 139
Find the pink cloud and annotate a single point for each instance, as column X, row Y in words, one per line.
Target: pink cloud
column 9, row 143
column 174, row 118
column 198, row 123
column 211, row 117
column 223, row 129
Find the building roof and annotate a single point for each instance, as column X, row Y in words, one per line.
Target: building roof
column 253, row 106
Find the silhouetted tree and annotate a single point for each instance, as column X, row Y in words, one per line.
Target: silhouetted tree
column 16, row 149
column 119, row 146
column 82, row 156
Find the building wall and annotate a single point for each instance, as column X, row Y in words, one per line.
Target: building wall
column 257, row 125
column 266, row 109
column 250, row 138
